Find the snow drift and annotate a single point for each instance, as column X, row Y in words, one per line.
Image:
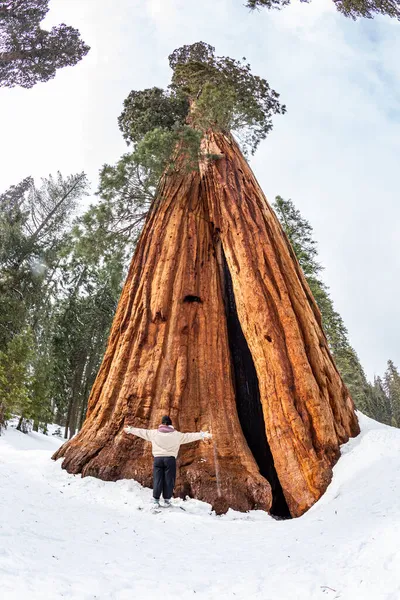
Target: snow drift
column 62, row 536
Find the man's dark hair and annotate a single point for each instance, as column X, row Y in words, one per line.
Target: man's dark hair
column 166, row 420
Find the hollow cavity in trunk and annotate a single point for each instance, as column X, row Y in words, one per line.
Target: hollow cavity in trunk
column 248, row 398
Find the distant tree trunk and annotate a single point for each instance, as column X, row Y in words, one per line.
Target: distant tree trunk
column 67, row 422
column 76, row 392
column 73, row 419
column 82, row 412
column 23, row 425
column 2, row 416
column 217, row 327
column 88, row 382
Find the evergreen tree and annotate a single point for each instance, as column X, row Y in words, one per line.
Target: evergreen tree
column 41, row 410
column 113, row 224
column 16, row 379
column 91, row 273
column 300, row 234
column 34, row 222
column 61, row 278
column 28, row 53
column 349, row 8
column 381, row 407
column 82, row 327
column 13, row 217
column 391, row 385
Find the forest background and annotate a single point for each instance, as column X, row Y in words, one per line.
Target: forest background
column 333, row 153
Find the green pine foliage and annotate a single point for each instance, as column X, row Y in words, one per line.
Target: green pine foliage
column 151, row 109
column 34, row 224
column 16, row 378
column 30, row 54
column 60, row 280
column 164, row 128
column 380, row 408
column 206, row 92
column 349, row 8
column 91, row 271
column 223, row 94
column 391, row 385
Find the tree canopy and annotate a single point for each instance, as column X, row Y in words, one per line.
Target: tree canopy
column 30, row 54
column 206, row 92
column 349, row 8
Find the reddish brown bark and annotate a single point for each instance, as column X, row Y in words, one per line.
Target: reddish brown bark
column 307, row 409
column 169, row 349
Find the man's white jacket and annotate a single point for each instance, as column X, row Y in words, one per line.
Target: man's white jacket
column 166, row 443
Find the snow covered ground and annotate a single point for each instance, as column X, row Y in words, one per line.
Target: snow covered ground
column 66, row 537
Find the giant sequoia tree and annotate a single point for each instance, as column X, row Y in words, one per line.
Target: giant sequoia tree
column 216, row 324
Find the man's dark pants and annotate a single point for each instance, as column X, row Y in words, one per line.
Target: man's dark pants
column 164, row 473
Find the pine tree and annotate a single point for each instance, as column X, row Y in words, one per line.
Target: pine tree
column 82, row 325
column 380, row 405
column 62, row 279
column 28, row 53
column 16, row 379
column 91, row 272
column 13, row 281
column 391, row 385
column 34, row 222
column 349, row 8
column 41, row 409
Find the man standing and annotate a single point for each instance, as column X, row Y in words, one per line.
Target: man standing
column 165, row 442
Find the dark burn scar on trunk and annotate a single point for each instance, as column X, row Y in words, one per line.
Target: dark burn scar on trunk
column 248, row 401
column 190, row 299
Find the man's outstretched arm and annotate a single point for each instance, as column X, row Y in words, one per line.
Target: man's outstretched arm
column 187, row 438
column 142, row 433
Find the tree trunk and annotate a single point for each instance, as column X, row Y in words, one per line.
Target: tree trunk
column 71, row 400
column 217, row 327
column 23, row 425
column 88, row 379
column 82, row 412
column 76, row 391
column 307, row 409
column 3, row 422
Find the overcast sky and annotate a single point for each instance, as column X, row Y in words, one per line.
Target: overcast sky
column 335, row 153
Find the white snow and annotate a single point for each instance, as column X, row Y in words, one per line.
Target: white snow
column 62, row 536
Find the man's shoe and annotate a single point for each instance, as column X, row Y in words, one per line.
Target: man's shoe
column 155, row 502
column 167, row 503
